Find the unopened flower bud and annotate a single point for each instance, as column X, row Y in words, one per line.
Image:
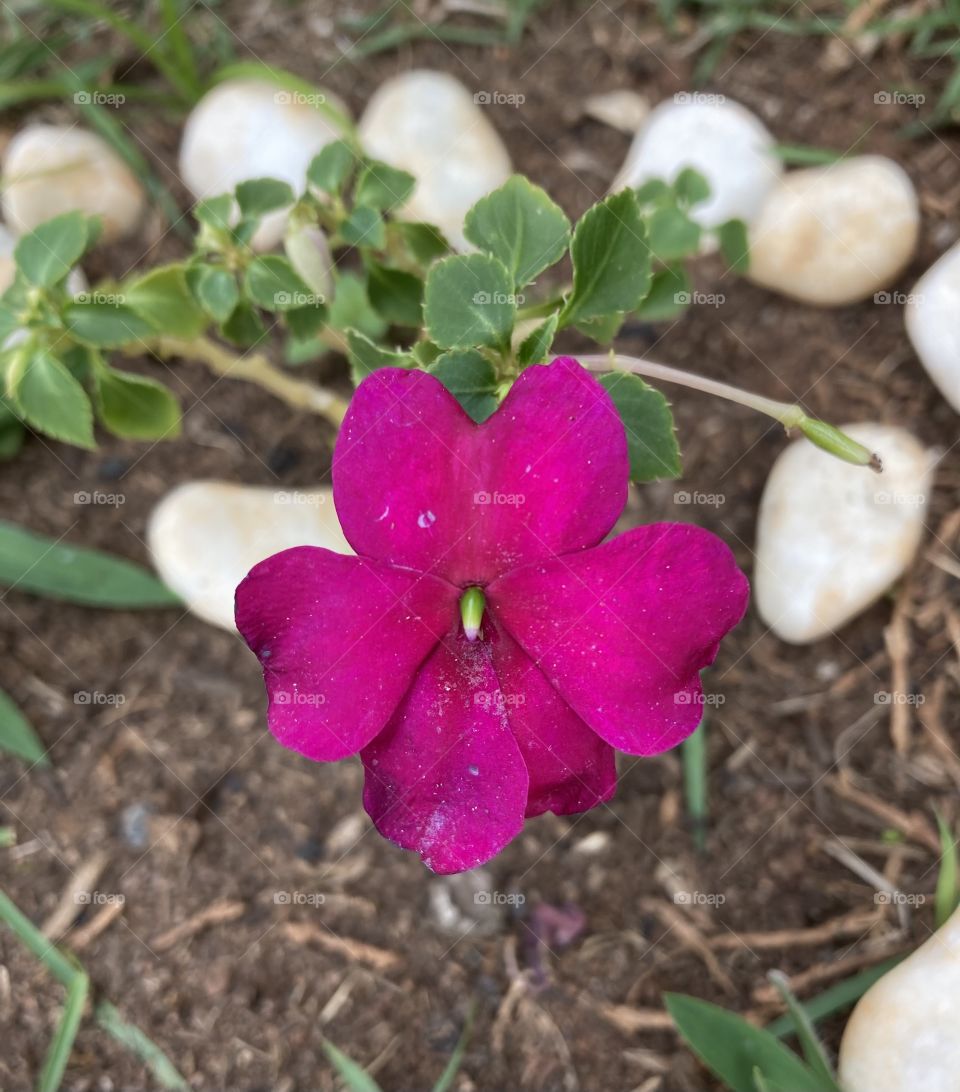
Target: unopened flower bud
column 306, row 247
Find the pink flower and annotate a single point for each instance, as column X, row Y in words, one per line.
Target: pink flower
column 582, row 647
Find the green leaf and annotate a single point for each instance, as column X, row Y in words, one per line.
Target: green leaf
column 50, row 251
column 425, row 353
column 731, row 1048
column 49, row 399
column 383, row 187
column 397, row 295
column 61, row 1045
column 364, row 227
column 691, row 187
column 258, row 196
column 351, row 308
column 215, row 212
column 17, row 737
column 349, row 1071
column 446, row 1078
column 244, row 326
column 651, row 439
column 535, row 347
column 331, row 166
column 215, row 290
column 164, row 300
column 947, row 896
column 654, row 192
column 469, row 301
column 735, row 245
column 305, row 322
column 135, row 407
column 366, row 356
column 471, row 379
column 133, row 1039
column 12, row 432
column 106, row 325
column 611, row 260
column 673, row 235
column 423, row 242
column 811, row 1046
column 74, row 574
column 271, row 283
column 604, row 329
column 669, row 295
column 520, row 225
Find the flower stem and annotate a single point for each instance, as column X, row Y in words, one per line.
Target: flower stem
column 789, row 414
column 256, row 368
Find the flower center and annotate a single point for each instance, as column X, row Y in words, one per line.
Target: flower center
column 472, row 605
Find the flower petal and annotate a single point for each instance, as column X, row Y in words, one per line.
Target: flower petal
column 622, row 631
column 446, row 777
column 571, row 768
column 340, row 639
column 417, row 483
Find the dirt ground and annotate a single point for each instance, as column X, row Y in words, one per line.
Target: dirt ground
column 183, row 802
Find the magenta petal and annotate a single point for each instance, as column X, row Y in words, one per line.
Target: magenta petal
column 622, row 631
column 340, row 639
column 446, row 778
column 418, row 484
column 571, row 768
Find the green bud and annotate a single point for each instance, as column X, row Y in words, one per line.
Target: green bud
column 472, row 605
column 838, row 443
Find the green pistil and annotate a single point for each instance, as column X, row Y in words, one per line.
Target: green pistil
column 472, row 606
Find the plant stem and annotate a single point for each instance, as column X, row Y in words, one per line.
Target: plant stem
column 256, row 368
column 789, row 414
column 694, row 755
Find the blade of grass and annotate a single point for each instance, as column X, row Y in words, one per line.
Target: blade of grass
column 947, row 895
column 34, row 941
column 62, row 1046
column 174, row 20
column 17, row 736
column 453, row 1063
column 810, row 1044
column 131, row 1037
column 694, row 754
column 353, row 1075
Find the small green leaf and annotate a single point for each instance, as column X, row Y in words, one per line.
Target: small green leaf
column 673, row 235
column 49, row 399
column 364, row 227
column 244, row 327
column 349, row 1071
column 691, row 187
column 813, row 1050
column 469, row 301
column 305, row 322
column 947, row 896
column 366, row 357
column 668, row 296
column 215, row 212
column 74, row 574
column 164, row 300
column 135, row 407
column 397, row 295
column 258, row 196
column 521, row 226
column 271, row 283
column 731, row 1048
column 535, row 347
column 17, row 737
column 425, row 353
column 654, row 192
column 215, row 290
column 423, row 242
column 331, row 166
column 471, row 379
column 604, row 329
column 106, row 325
column 383, row 187
column 12, row 432
column 735, row 245
column 351, row 308
column 50, row 251
column 651, row 439
column 611, row 260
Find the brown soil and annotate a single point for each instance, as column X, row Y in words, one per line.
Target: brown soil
column 244, row 1004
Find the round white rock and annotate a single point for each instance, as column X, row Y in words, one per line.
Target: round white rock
column 721, row 139
column 248, row 128
column 8, row 268
column 832, row 537
column 429, row 124
column 902, row 1036
column 836, row 235
column 50, row 169
column 205, row 536
column 933, row 323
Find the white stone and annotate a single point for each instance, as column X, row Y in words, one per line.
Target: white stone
column 205, row 536
column 624, row 110
column 902, row 1036
column 249, row 128
column 8, row 268
column 835, row 235
column 52, row 169
column 429, row 124
column 833, row 537
column 721, row 139
column 933, row 323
